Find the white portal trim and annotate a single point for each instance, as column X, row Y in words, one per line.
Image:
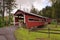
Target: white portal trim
column 24, row 18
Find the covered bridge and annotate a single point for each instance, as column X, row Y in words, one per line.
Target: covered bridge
column 29, row 19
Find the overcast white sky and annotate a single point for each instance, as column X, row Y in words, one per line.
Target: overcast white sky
column 27, row 4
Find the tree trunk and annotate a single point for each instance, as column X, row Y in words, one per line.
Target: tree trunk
column 3, row 11
column 9, row 16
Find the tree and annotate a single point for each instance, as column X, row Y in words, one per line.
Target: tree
column 46, row 12
column 8, row 5
column 56, row 10
column 33, row 11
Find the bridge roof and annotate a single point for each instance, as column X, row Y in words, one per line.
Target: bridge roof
column 29, row 13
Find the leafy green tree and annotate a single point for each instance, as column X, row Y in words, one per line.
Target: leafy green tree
column 7, row 5
column 46, row 12
column 56, row 10
column 10, row 5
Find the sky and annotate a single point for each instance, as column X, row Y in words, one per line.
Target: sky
column 26, row 5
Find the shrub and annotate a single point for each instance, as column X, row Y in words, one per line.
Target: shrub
column 1, row 22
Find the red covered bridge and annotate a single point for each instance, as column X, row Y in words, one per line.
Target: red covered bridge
column 29, row 19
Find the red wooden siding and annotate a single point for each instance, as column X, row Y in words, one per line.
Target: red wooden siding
column 33, row 23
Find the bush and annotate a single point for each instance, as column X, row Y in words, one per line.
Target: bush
column 1, row 22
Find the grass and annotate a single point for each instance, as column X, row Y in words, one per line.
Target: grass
column 24, row 34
